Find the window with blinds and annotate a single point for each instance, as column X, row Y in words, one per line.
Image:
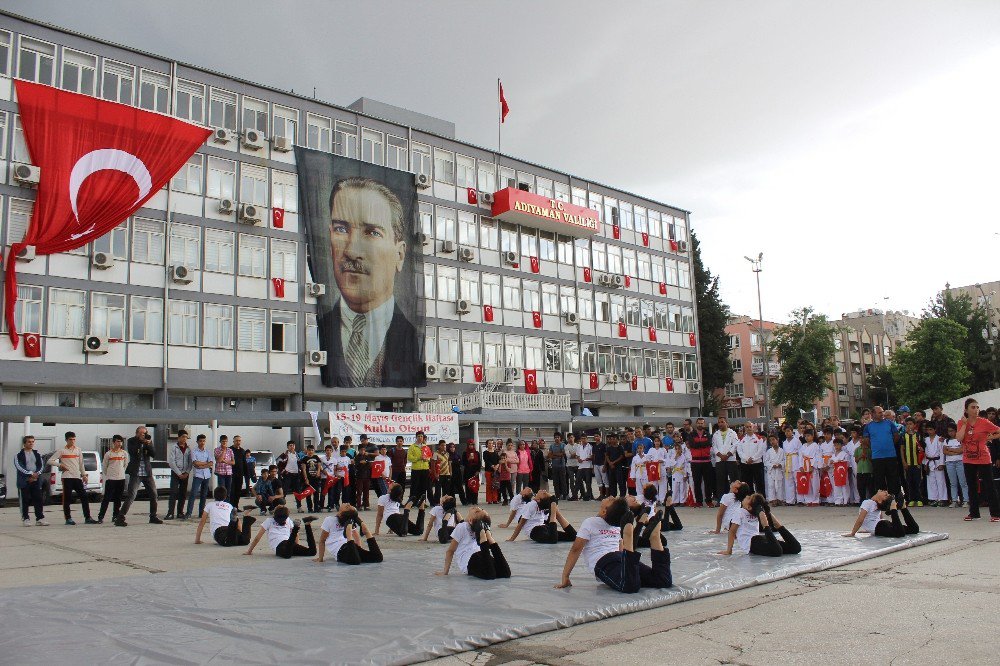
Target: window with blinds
column 284, row 260
column 118, row 82
column 218, row 326
column 284, row 191
column 253, row 184
column 17, row 220
column 66, row 313
column 252, row 336
column 283, row 331
column 147, row 241
column 219, row 248
column 185, row 245
column 183, row 323
column 253, row 256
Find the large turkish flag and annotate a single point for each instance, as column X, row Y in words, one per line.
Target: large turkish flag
column 100, row 162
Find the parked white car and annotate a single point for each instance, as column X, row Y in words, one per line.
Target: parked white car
column 95, row 476
column 264, row 460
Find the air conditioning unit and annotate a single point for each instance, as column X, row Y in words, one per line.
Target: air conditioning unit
column 614, row 379
column 422, row 180
column 682, row 246
column 180, row 274
column 93, row 344
column 572, row 318
column 25, row 174
column 617, row 281
column 282, row 144
column 452, row 373
column 27, row 253
column 250, row 214
column 253, row 139
column 694, row 387
column 315, row 289
column 466, row 254
column 317, row 357
column 432, row 371
column 627, row 377
column 462, row 306
column 422, row 238
column 226, row 206
column 222, row 135
column 486, row 198
column 448, row 246
column 510, row 258
column 604, row 280
column 101, row 260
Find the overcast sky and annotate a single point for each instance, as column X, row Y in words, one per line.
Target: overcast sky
column 855, row 143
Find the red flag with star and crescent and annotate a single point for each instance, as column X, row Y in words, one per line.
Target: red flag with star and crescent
column 99, row 163
column 531, row 381
column 504, row 107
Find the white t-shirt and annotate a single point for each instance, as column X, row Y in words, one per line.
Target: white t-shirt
column 729, row 501
column 437, row 519
column 329, row 465
column 748, row 528
column 277, row 533
column 585, row 452
column 343, row 462
column 389, row 506
column 516, row 505
column 534, row 516
column 336, row 539
column 874, row 515
column 292, row 466
column 601, row 538
column 467, row 545
column 571, row 455
column 219, row 515
column 954, row 457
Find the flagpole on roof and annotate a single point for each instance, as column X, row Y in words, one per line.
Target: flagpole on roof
column 499, row 116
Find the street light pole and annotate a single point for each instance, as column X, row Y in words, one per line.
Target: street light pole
column 990, row 332
column 760, row 313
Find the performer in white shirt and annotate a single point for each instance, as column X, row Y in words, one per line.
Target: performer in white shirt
column 474, row 550
column 341, row 534
column 637, row 470
column 870, row 518
column 606, row 542
column 541, row 518
column 791, row 447
column 396, row 516
column 774, row 466
column 750, row 449
column 744, row 531
column 678, row 464
column 517, row 504
column 808, row 459
column 283, row 535
column 444, row 518
column 226, row 525
column 729, row 504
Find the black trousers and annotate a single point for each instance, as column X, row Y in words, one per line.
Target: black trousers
column 400, row 523
column 506, row 492
column 349, row 553
column 895, row 529
column 864, row 481
column 914, row 483
column 885, row 475
column 31, row 496
column 702, row 474
column 623, row 571
column 973, row 474
column 400, row 477
column 444, row 533
column 288, row 548
column 767, row 543
column 489, row 563
column 236, row 491
column 753, row 475
column 550, row 533
column 315, row 501
column 585, row 482
column 178, row 493
column 726, row 471
column 74, row 487
column 618, row 487
column 420, row 483
column 441, row 488
column 290, row 484
column 113, row 493
column 234, row 535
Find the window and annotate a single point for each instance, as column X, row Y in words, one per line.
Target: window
column 185, row 245
column 531, row 296
column 513, row 351
column 553, row 354
column 857, row 391
column 489, row 234
column 507, row 178
column 467, row 229
column 312, row 331
column 736, row 413
column 842, row 390
column 526, row 180
column 734, row 342
column 657, row 274
column 838, row 344
column 866, row 347
column 345, row 139
column 255, row 115
column 493, row 350
column 511, row 293
column 189, row 178
column 147, row 241
column 755, row 341
column 546, row 245
column 641, row 224
column 625, row 215
column 571, row 356
column 222, row 109
column 543, row 186
column 687, row 320
column 429, row 281
column 491, row 289
column 183, row 321
column 444, row 166
column 284, row 191
column 5, row 38
column 487, row 177
column 469, row 286
column 426, row 213
column 856, row 368
column 17, row 220
column 372, row 146
column 253, row 184
column 465, row 173
column 684, row 275
column 644, row 263
column 447, row 283
column 147, row 320
column 533, row 355
column 472, row 347
column 567, row 299
column 154, row 91
column 221, row 178
column 646, row 313
column 3, row 134
column 734, row 390
column 632, row 312
column 550, row 299
column 36, row 61
column 253, row 256
column 251, row 332
column 219, row 251
column 66, row 312
column 825, row 412
column 529, row 243
column 284, row 260
column 582, row 249
column 286, row 122
column 588, row 357
column 218, row 326
column 585, row 305
column 853, row 347
column 28, row 309
column 681, row 228
column 449, row 349
column 840, row 366
column 628, row 262
column 395, row 153
column 845, row 413
column 691, row 366
column 79, row 72
column 508, row 238
column 599, row 256
column 319, row 133
column 190, row 101
column 420, row 159
column 737, row 365
column 283, row 335
column 635, row 361
column 445, row 220
column 671, row 277
column 614, row 260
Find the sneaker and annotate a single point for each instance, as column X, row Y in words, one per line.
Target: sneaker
column 995, row 519
column 153, row 520
column 90, row 521
column 169, row 516
column 27, row 523
column 263, row 512
column 120, row 523
column 70, row 521
column 308, row 519
column 919, row 503
column 41, row 522
column 970, row 518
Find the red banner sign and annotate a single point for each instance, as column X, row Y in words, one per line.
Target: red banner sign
column 533, row 210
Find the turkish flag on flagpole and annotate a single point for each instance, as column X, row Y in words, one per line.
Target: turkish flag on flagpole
column 504, row 108
column 99, row 161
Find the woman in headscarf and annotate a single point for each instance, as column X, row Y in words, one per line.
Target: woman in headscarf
column 471, row 464
column 491, row 470
column 537, row 466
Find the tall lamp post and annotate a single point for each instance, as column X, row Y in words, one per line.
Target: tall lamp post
column 755, row 263
column 990, row 333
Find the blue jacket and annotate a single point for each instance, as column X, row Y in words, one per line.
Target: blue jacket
column 20, row 463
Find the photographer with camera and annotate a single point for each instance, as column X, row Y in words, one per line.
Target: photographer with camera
column 139, row 470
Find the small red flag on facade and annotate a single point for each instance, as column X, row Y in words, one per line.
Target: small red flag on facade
column 278, row 218
column 279, row 287
column 477, row 372
column 530, row 381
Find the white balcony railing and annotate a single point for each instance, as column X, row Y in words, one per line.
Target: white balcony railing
column 468, row 402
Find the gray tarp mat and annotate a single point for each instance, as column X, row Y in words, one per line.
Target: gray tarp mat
column 300, row 612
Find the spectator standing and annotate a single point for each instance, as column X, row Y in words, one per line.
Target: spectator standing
column 699, row 443
column 179, row 459
column 750, row 451
column 471, row 466
column 572, row 466
column 724, row 454
column 940, row 420
column 74, row 477
column 312, row 468
column 614, row 456
column 383, row 465
column 201, row 475
column 882, row 438
column 398, row 458
column 585, row 472
column 557, row 463
column 599, row 461
column 240, row 471
column 975, row 432
column 419, row 457
column 291, row 472
column 912, row 456
column 537, row 466
column 140, row 470
column 953, row 467
column 224, row 460
column 491, row 469
column 29, row 467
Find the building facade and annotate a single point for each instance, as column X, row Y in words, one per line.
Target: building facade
column 744, row 396
column 181, row 298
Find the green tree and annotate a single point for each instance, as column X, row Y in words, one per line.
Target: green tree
column 806, row 353
column 931, row 365
column 713, row 315
column 882, row 387
column 974, row 319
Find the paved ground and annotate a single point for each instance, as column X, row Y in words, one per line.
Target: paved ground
column 934, row 603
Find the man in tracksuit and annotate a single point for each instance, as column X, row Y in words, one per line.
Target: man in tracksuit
column 29, row 480
column 181, row 465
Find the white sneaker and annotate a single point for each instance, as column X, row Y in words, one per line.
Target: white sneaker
column 42, row 522
column 27, row 523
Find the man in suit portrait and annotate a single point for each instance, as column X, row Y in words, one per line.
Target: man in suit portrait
column 371, row 342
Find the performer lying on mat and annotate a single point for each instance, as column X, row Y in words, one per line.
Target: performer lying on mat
column 606, row 541
column 396, row 516
column 744, row 531
column 444, row 518
column 283, row 535
column 650, row 513
column 666, row 508
column 474, row 549
column 870, row 518
column 729, row 504
column 341, row 534
column 542, row 519
column 517, row 504
column 226, row 525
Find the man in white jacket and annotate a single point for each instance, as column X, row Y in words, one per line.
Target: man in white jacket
column 724, row 455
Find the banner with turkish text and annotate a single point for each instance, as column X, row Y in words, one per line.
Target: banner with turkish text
column 384, row 427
